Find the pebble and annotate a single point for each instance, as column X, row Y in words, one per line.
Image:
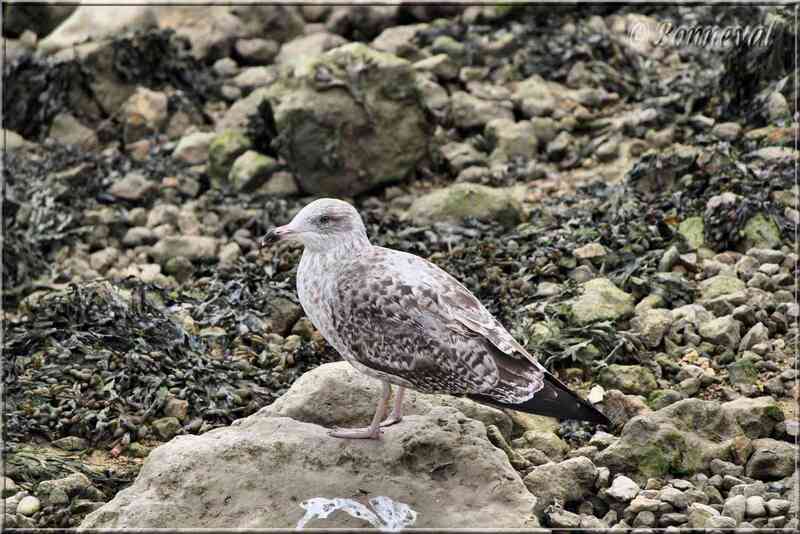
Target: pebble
column 754, row 506
column 28, row 505
column 623, row 489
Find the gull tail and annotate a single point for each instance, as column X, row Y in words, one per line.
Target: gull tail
column 553, row 400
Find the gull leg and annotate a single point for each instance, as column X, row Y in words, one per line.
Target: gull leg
column 397, row 410
column 373, row 431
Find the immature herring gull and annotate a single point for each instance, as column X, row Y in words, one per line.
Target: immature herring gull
column 403, row 320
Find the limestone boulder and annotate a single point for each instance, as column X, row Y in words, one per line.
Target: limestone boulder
column 431, row 471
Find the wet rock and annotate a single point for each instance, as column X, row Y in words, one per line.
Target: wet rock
column 701, row 515
column 458, row 201
column 68, row 130
column 28, row 506
column 144, row 114
column 633, row 379
column 724, row 331
column 692, row 230
column 735, row 507
column 306, row 47
column 71, row 443
column 223, row 152
column 684, row 437
column 652, row 325
column 758, row 333
column 192, row 247
column 754, row 506
column 590, row 251
column 511, row 139
column 400, row 41
column 370, row 133
column 760, row 231
column 462, row 155
column 59, row 491
column 256, row 51
column 193, row 148
column 9, row 487
column 623, row 489
column 177, row 408
column 432, row 458
column 251, row 170
column 547, row 442
column 720, row 285
column 468, row 111
column 440, row 65
column 756, row 417
column 103, row 259
column 138, row 236
column 601, row 300
column 336, row 394
column 565, row 482
column 771, row 459
column 167, row 427
column 727, row 131
column 134, row 187
column 97, row 23
column 14, row 141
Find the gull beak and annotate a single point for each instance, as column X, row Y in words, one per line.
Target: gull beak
column 275, row 235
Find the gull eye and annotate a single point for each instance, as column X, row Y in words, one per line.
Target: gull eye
column 324, row 219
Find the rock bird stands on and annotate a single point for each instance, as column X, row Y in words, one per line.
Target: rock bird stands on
column 403, row 320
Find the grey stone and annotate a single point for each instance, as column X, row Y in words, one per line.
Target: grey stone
column 251, row 170
column 192, row 247
column 623, row 489
column 735, row 507
column 778, row 507
column 71, row 443
column 643, row 504
column 167, row 427
column 700, row 515
column 720, row 285
column 673, row 496
column 771, row 459
column 133, row 186
column 758, row 333
column 461, row 200
column 28, row 505
column 601, row 300
column 435, row 461
column 652, row 325
column 754, row 506
column 257, row 51
column 469, row 111
column 193, row 148
column 632, row 379
column 567, row 481
column 723, row 331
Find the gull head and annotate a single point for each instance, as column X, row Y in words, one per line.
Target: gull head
column 321, row 226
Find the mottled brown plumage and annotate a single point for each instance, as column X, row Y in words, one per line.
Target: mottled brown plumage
column 401, row 319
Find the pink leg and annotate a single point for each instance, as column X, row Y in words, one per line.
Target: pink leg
column 373, row 431
column 397, row 410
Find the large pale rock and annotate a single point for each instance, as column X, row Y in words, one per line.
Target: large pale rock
column 456, row 202
column 259, row 472
column 98, row 23
column 336, row 394
column 348, row 120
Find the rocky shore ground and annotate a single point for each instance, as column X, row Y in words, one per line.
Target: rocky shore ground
column 627, row 209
